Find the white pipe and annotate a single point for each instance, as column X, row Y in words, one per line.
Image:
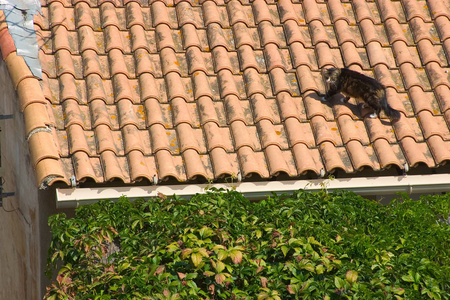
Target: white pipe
column 417, row 184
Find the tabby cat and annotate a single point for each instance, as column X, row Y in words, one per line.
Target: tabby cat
column 360, row 86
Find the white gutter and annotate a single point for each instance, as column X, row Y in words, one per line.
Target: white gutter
column 417, row 184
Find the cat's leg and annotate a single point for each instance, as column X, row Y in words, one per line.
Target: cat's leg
column 372, row 115
column 323, row 97
column 377, row 112
column 330, row 93
column 345, row 99
column 374, row 102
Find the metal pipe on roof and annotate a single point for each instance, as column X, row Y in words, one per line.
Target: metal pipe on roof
column 417, row 184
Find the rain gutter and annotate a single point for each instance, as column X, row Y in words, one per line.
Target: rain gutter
column 386, row 185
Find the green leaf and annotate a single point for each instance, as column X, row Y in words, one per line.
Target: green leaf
column 398, row 290
column 173, row 247
column 169, row 248
column 339, row 283
column 206, row 232
column 407, row 278
column 135, row 223
column 52, row 297
column 123, row 266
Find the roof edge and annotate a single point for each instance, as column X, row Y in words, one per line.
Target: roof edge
column 74, row 197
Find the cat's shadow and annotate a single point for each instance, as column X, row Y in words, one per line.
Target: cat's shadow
column 356, row 109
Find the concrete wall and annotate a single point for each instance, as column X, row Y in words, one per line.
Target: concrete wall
column 20, row 254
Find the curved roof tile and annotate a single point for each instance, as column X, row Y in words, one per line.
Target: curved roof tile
column 202, row 90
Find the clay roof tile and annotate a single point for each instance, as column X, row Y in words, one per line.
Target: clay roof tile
column 201, row 90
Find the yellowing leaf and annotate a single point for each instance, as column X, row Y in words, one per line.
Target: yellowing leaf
column 222, row 254
column 186, row 252
column 208, row 273
column 203, row 252
column 196, row 258
column 218, row 266
column 309, row 267
column 320, row 269
column 218, row 247
column 398, row 291
column 124, row 266
column 236, row 256
column 351, row 276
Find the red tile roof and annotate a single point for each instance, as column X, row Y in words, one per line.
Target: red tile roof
column 136, row 90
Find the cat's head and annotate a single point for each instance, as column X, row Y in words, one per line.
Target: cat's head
column 331, row 74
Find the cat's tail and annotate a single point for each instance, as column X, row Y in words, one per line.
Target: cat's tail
column 390, row 112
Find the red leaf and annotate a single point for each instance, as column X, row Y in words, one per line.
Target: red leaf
column 212, row 289
column 159, row 270
column 290, row 290
column 220, row 278
column 264, row 281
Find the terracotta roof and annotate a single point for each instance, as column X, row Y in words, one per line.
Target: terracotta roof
column 155, row 90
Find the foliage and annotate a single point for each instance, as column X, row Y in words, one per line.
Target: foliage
column 219, row 245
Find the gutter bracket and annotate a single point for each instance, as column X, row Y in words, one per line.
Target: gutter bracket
column 73, row 181
column 5, row 195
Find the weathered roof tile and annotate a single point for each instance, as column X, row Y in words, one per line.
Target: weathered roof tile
column 335, row 158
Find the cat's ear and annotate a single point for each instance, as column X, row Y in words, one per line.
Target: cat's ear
column 335, row 71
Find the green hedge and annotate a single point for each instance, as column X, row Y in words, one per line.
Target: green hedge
column 219, row 245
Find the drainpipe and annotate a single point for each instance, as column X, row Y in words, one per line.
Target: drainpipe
column 387, row 185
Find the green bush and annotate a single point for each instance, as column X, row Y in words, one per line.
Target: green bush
column 219, row 245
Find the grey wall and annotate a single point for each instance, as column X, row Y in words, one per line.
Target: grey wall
column 20, row 254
